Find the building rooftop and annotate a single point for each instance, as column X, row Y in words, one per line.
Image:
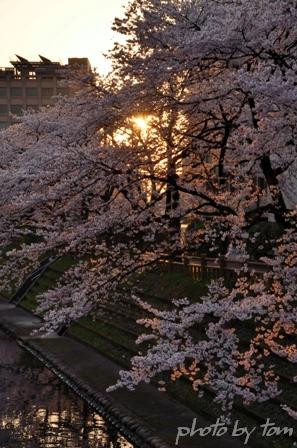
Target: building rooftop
column 23, row 68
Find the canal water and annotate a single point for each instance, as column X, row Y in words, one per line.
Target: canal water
column 38, row 411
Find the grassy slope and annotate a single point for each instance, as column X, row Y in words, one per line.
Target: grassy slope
column 113, row 334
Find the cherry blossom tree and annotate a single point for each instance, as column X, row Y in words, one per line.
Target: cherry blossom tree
column 200, row 106
column 236, row 67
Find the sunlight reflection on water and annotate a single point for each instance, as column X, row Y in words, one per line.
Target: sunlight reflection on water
column 38, row 411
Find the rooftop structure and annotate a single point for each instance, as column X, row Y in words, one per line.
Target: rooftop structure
column 30, row 85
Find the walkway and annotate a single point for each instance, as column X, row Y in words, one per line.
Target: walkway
column 152, row 418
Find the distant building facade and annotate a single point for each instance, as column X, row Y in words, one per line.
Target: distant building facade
column 30, row 85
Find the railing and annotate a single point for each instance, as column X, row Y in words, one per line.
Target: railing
column 30, row 281
column 206, row 268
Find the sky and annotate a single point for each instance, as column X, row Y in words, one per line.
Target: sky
column 58, row 29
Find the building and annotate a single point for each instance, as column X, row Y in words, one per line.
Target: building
column 29, row 85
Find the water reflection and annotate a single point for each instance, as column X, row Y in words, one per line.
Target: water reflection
column 38, row 411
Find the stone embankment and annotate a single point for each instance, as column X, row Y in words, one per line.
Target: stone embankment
column 146, row 417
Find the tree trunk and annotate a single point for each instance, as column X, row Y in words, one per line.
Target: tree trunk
column 280, row 208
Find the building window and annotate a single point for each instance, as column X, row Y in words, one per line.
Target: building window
column 3, row 109
column 16, row 91
column 3, row 92
column 47, row 92
column 32, row 91
column 3, row 124
column 16, row 109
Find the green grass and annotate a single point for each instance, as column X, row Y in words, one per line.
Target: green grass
column 47, row 281
column 170, row 285
column 110, row 332
column 106, row 347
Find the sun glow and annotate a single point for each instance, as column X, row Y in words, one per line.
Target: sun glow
column 135, row 127
column 141, row 123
